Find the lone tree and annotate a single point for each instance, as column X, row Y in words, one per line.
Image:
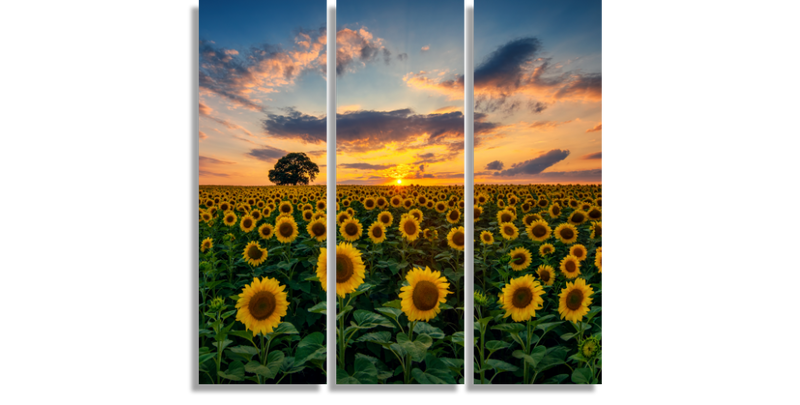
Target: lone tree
column 294, row 169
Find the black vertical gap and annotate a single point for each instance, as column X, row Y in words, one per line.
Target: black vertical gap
column 470, row 183
column 331, row 117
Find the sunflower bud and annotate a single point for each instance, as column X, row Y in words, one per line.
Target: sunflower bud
column 590, row 348
column 217, row 304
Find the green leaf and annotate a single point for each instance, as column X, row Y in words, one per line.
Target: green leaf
column 367, row 320
column 426, row 328
column 510, row 327
column 206, row 357
column 365, row 371
column 458, row 338
column 592, row 313
column 310, row 348
column 390, row 312
column 393, row 304
column 547, row 327
column 321, row 308
column 553, row 357
column 376, row 337
column 556, row 379
column 582, row 376
column 246, row 352
column 500, row 365
column 225, row 344
column 285, row 328
column 235, row 372
column 495, row 345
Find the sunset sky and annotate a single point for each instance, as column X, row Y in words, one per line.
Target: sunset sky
column 399, row 73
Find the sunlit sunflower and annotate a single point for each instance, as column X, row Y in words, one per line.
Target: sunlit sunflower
column 440, row 206
column 426, row 289
column 430, row 234
column 266, row 231
column 349, row 269
column 377, row 232
column 539, row 231
column 286, row 229
column 207, row 244
column 261, row 305
column 574, row 300
column 509, row 231
column 505, row 216
column 456, row 238
column 386, row 218
column 307, row 215
column 247, row 224
column 597, row 230
column 321, row 205
column 487, row 238
column 531, row 218
column 566, row 233
column 317, row 229
column 520, row 258
column 577, row 217
column 522, row 296
column 546, row 249
column 369, row 203
column 453, row 216
column 417, row 213
column 229, row 218
column 396, row 201
column 409, row 228
column 546, row 273
column 578, row 251
column 254, row 254
column 285, row 207
column 598, row 259
column 322, row 268
column 570, row 266
column 351, row 230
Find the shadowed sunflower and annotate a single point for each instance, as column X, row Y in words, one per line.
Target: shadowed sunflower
column 477, row 210
column 317, row 229
column 247, row 224
column 546, row 249
column 440, row 207
column 409, row 228
column 286, row 229
column 386, row 218
column 321, row 205
column 229, row 218
column 522, row 297
column 417, row 214
column 566, row 233
column 546, row 273
column 505, row 216
column 574, row 300
column 396, row 201
column 254, row 254
column 307, row 215
column 456, row 238
column 598, row 259
column 349, row 269
column 520, row 258
column 285, row 208
column 570, row 266
column 597, row 230
column 539, row 231
column 369, row 203
column 577, row 217
column 453, row 216
column 554, row 211
column 318, row 215
column 341, row 217
column 578, row 251
column 594, row 213
column 487, row 238
column 322, row 268
column 207, row 244
column 351, row 230
column 426, row 289
column 509, row 231
column 377, row 232
column 261, row 305
column 531, row 218
column 266, row 231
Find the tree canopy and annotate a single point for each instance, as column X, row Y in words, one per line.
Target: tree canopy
column 293, row 169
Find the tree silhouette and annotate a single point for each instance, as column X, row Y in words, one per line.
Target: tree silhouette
column 293, row 169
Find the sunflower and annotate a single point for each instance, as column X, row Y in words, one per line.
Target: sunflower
column 554, row 211
column 396, row 201
column 509, row 231
column 254, row 254
column 522, row 297
column 341, row 217
column 286, row 229
column 266, row 231
column 351, row 230
column 571, row 266
column 456, row 238
column 539, row 230
column 594, row 213
column 505, row 215
column 247, row 224
column 531, row 218
column 546, row 249
column 349, row 269
column 229, row 218
column 578, row 251
column 369, row 203
column 285, row 207
column 440, row 207
column 598, row 259
column 386, row 218
column 261, row 305
column 426, row 289
column 477, row 210
column 409, row 228
column 321, row 205
column 322, row 268
column 577, row 217
column 597, row 230
column 520, row 258
column 417, row 214
column 207, row 244
column 307, row 215
column 546, row 273
column 317, row 229
column 487, row 238
column 566, row 233
column 574, row 300
column 453, row 216
column 377, row 232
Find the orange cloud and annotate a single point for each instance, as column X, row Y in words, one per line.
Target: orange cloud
column 452, row 88
column 598, row 127
column 203, row 135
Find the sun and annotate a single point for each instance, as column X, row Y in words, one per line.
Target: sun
column 399, row 181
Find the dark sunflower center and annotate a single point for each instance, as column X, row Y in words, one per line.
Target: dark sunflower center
column 229, row 219
column 570, row 266
column 578, row 253
column 567, row 233
column 351, row 229
column 594, row 214
column 577, row 217
column 247, row 223
column 377, row 232
column 385, row 219
column 318, row 229
column 556, row 210
column 545, row 276
column 254, row 252
column 476, row 213
column 519, row 258
column 539, row 231
column 547, row 250
column 285, row 208
column 505, row 218
column 369, row 204
column 574, row 299
column 487, row 237
column 266, row 231
column 425, row 295
column 598, row 231
column 344, row 268
column 522, row 297
column 262, row 305
column 410, row 227
column 508, row 230
column 458, row 238
column 453, row 215
column 286, row 230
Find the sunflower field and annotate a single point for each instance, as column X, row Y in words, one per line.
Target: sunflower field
column 262, row 308
column 538, row 282
column 399, row 285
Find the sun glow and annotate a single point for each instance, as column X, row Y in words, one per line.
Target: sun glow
column 399, row 181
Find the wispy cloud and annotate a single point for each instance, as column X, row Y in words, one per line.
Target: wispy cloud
column 536, row 165
column 598, row 127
